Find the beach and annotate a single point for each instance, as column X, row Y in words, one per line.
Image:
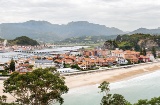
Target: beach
column 114, row 75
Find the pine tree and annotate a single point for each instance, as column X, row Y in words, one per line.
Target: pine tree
column 12, row 65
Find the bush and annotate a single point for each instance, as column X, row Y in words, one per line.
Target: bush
column 75, row 67
column 4, row 73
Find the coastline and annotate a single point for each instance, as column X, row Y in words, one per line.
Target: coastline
column 114, row 75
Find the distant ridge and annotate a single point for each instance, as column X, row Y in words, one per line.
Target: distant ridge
column 45, row 31
column 146, row 31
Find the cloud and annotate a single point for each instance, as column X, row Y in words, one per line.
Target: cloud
column 124, row 14
column 111, row 0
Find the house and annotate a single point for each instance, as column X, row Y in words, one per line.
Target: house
column 95, row 53
column 117, row 53
column 121, row 60
column 102, row 62
column 111, row 60
column 44, row 63
column 68, row 61
column 23, row 68
column 84, row 65
column 88, row 53
column 132, row 56
column 143, row 58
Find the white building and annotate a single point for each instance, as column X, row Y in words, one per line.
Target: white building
column 66, row 70
column 44, row 63
column 121, row 60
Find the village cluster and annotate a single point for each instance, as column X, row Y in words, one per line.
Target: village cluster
column 73, row 60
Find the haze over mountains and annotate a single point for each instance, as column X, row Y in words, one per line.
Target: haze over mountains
column 147, row 31
column 45, row 31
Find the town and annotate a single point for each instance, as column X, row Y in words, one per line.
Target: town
column 28, row 58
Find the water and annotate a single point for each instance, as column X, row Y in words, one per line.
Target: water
column 5, row 57
column 142, row 87
column 62, row 49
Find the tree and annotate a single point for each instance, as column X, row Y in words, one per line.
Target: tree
column 119, row 38
column 24, row 40
column 142, row 102
column 110, row 44
column 129, row 62
column 137, row 47
column 104, row 86
column 152, row 101
column 66, row 65
column 109, row 99
column 154, row 52
column 118, row 99
column 144, row 52
column 3, row 98
column 75, row 66
column 39, row 87
column 12, row 65
column 30, row 66
column 141, row 51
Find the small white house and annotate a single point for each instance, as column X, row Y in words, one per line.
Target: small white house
column 121, row 60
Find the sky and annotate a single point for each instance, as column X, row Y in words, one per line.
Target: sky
column 126, row 15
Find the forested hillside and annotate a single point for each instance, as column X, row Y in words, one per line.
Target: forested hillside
column 87, row 39
column 23, row 40
column 135, row 41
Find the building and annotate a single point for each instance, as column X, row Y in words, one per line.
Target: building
column 44, row 63
column 66, row 70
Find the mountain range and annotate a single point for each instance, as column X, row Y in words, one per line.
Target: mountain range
column 147, row 31
column 45, row 31
column 48, row 32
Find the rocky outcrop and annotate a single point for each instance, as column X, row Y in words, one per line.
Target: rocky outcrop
column 148, row 43
column 110, row 45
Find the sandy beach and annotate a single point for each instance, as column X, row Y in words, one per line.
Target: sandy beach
column 114, row 75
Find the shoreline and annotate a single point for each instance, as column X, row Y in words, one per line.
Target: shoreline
column 114, row 75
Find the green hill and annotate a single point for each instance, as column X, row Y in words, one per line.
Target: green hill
column 87, row 39
column 23, row 40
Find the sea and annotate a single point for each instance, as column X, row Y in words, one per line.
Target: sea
column 142, row 87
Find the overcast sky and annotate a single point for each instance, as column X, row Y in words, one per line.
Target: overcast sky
column 126, row 15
